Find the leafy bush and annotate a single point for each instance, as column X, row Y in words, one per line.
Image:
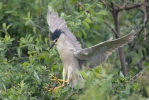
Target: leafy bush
column 26, row 64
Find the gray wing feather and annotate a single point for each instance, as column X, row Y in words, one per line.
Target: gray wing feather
column 95, row 55
column 56, row 22
column 52, row 18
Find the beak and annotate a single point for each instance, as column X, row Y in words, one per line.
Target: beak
column 53, row 43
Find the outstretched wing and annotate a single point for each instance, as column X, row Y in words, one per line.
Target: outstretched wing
column 95, row 55
column 56, row 22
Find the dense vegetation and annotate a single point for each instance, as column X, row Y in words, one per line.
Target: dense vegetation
column 26, row 64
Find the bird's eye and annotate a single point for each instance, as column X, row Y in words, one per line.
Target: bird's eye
column 56, row 40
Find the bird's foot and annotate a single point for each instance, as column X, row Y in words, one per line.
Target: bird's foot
column 56, row 88
column 58, row 80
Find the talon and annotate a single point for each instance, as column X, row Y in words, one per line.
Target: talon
column 51, row 89
column 56, row 88
column 55, row 78
column 58, row 80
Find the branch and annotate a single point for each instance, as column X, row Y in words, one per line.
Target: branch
column 111, row 28
column 115, row 12
column 121, row 2
column 140, row 73
column 145, row 19
column 42, row 98
column 79, row 3
column 52, row 94
column 41, row 28
column 129, row 7
column 75, row 92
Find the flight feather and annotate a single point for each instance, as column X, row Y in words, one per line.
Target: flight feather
column 55, row 22
column 95, row 55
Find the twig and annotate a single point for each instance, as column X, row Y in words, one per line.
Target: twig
column 121, row 3
column 79, row 3
column 42, row 98
column 9, row 51
column 52, row 93
column 75, row 92
column 145, row 19
column 130, row 7
column 47, row 90
column 111, row 28
column 140, row 10
column 139, row 73
column 41, row 29
column 63, row 2
column 68, row 9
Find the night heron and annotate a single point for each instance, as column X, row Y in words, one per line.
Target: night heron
column 71, row 53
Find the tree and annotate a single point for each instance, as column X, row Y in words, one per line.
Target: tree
column 26, row 62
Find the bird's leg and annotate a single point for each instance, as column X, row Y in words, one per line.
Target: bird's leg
column 58, row 80
column 61, row 86
column 62, row 80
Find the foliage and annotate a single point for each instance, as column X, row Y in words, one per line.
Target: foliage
column 26, row 64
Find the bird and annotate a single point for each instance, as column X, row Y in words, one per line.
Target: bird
column 73, row 56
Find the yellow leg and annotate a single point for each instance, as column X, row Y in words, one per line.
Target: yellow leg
column 58, row 80
column 56, row 88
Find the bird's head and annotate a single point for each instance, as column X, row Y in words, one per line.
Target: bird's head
column 55, row 36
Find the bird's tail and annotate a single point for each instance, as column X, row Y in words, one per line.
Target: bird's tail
column 77, row 81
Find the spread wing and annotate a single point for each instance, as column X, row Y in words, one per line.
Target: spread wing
column 95, row 55
column 56, row 22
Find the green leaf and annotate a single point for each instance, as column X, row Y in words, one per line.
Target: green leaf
column 86, row 25
column 72, row 1
column 8, row 26
column 4, row 26
column 99, row 5
column 30, row 39
column 28, row 15
column 7, row 38
column 88, row 20
column 127, row 89
column 92, row 11
column 36, row 76
column 19, row 52
column 103, row 12
column 121, row 74
column 24, row 64
column 84, row 33
column 1, row 5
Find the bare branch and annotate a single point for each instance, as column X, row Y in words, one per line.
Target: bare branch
column 75, row 92
column 79, row 3
column 42, row 98
column 121, row 2
column 41, row 29
column 145, row 18
column 111, row 28
column 129, row 7
column 52, row 94
column 115, row 12
column 140, row 73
